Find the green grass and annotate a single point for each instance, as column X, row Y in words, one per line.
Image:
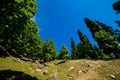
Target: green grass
column 110, row 68
column 106, row 69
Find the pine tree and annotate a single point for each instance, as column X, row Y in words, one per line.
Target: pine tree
column 86, row 51
column 64, row 54
column 18, row 33
column 103, row 26
column 74, row 50
column 49, row 51
column 92, row 26
column 116, row 6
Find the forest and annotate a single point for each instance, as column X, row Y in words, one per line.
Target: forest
column 19, row 36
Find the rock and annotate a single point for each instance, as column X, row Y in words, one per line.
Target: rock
column 45, row 72
column 71, row 68
column 85, row 70
column 80, row 71
column 41, row 66
column 112, row 76
column 17, row 60
column 30, row 68
column 39, row 71
column 71, row 75
column 89, row 65
column 70, row 78
column 53, row 76
column 32, row 71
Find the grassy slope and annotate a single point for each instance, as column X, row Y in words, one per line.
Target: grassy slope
column 103, row 69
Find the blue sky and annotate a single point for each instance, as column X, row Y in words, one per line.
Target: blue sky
column 59, row 20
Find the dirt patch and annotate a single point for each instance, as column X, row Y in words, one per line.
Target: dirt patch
column 91, row 73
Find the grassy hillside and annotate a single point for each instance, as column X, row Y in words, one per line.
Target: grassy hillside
column 70, row 70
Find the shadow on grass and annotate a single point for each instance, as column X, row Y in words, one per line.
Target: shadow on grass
column 15, row 75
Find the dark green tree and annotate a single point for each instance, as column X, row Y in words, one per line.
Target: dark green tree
column 64, row 54
column 116, row 6
column 13, row 17
column 49, row 51
column 92, row 26
column 18, row 33
column 86, row 51
column 105, row 27
column 74, row 50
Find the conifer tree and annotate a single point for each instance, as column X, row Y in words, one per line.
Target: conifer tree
column 64, row 54
column 74, row 50
column 49, row 51
column 87, row 46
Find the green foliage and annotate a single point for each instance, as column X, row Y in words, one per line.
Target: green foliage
column 49, row 51
column 107, row 42
column 84, row 47
column 104, row 36
column 105, row 27
column 74, row 50
column 13, row 17
column 116, row 6
column 92, row 26
column 18, row 32
column 64, row 54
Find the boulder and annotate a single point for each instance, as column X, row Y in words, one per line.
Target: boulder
column 39, row 71
column 112, row 76
column 45, row 72
column 85, row 70
column 17, row 60
column 80, row 71
column 71, row 68
column 89, row 65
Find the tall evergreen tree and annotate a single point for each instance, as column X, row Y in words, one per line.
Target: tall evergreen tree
column 64, row 54
column 74, row 50
column 49, row 51
column 87, row 46
column 105, row 27
column 92, row 26
column 17, row 31
column 116, row 6
column 101, row 34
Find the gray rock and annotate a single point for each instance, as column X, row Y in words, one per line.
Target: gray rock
column 17, row 60
column 45, row 72
column 80, row 71
column 30, row 68
column 89, row 65
column 85, row 70
column 112, row 76
column 53, row 76
column 71, row 68
column 71, row 75
column 39, row 71
column 70, row 78
column 41, row 66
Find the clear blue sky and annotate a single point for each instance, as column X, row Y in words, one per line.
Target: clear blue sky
column 59, row 20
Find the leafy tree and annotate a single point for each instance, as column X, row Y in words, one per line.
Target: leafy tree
column 74, row 50
column 13, row 17
column 102, row 35
column 64, row 54
column 107, row 42
column 18, row 32
column 49, row 51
